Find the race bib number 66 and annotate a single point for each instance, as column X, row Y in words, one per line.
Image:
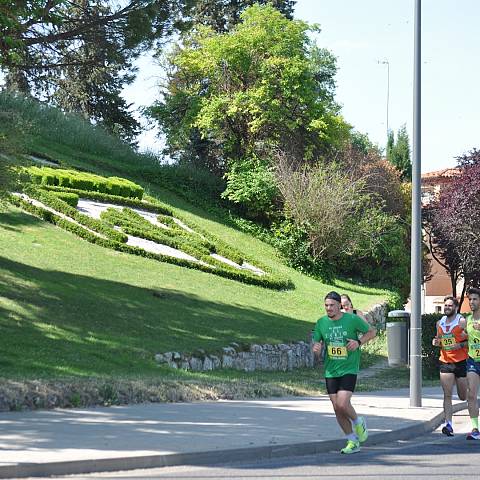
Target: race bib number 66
column 337, row 351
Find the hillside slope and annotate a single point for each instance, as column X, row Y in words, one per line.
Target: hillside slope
column 72, row 309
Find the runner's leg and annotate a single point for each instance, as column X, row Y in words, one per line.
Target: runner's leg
column 447, row 380
column 462, row 387
column 473, row 380
column 338, row 402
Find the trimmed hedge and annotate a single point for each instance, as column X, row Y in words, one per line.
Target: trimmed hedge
column 70, row 198
column 156, row 207
column 430, row 353
column 85, row 181
column 267, row 281
column 53, row 201
column 134, row 224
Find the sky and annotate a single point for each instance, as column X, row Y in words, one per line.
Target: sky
column 362, row 33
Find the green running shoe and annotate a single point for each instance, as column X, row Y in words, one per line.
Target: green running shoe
column 361, row 430
column 351, row 447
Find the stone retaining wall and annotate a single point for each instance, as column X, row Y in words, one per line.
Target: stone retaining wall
column 259, row 357
column 281, row 357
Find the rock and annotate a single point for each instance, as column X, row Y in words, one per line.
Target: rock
column 227, row 361
column 290, row 360
column 196, row 364
column 261, row 361
column 249, row 365
column 228, row 351
column 207, row 364
column 160, row 358
column 216, row 362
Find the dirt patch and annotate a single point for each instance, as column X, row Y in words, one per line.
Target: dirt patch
column 39, row 394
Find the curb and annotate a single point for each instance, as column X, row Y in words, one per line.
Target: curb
column 212, row 457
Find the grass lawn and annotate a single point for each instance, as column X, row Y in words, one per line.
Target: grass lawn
column 75, row 311
column 69, row 308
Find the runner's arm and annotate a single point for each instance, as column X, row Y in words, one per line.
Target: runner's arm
column 366, row 337
column 435, row 339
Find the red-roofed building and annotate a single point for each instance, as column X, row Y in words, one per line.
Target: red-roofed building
column 439, row 286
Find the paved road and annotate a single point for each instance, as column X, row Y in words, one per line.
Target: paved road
column 429, row 456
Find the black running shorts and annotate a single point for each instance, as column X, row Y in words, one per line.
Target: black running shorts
column 458, row 368
column 347, row 382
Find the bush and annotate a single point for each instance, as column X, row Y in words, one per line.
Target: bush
column 134, row 224
column 272, row 281
column 292, row 241
column 85, row 181
column 430, row 353
column 251, row 183
column 156, row 207
column 51, row 200
column 70, row 198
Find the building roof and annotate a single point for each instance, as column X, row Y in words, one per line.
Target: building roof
column 446, row 173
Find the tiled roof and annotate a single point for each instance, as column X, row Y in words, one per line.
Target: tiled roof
column 445, row 173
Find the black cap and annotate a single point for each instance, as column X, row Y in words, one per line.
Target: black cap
column 333, row 296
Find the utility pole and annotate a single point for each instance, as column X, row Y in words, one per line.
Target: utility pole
column 387, row 63
column 416, row 246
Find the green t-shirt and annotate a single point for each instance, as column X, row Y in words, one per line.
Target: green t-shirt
column 338, row 360
column 473, row 339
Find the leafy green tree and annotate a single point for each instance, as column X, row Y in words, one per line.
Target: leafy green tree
column 223, row 15
column 398, row 153
column 261, row 87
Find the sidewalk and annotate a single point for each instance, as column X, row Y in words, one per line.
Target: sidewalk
column 72, row 441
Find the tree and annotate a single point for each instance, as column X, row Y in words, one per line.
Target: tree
column 79, row 54
column 453, row 225
column 91, row 82
column 223, row 15
column 398, row 153
column 31, row 32
column 261, row 87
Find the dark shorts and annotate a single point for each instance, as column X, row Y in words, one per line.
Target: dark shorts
column 347, row 382
column 473, row 366
column 457, row 368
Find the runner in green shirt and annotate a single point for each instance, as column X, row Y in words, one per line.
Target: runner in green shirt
column 339, row 332
column 473, row 361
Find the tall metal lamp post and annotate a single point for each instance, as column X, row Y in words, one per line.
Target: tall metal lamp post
column 386, row 62
column 416, row 246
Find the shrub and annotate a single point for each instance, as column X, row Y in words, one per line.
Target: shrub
column 70, row 198
column 199, row 244
column 251, row 183
column 51, row 200
column 156, row 207
column 429, row 352
column 134, row 224
column 85, row 181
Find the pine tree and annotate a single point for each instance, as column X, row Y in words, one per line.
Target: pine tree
column 398, row 153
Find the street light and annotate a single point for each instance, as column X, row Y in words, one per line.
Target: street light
column 386, row 62
column 416, row 245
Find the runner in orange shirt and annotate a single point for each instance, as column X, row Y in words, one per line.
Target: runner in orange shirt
column 452, row 340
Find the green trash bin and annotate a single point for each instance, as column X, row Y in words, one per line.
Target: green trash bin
column 397, row 327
